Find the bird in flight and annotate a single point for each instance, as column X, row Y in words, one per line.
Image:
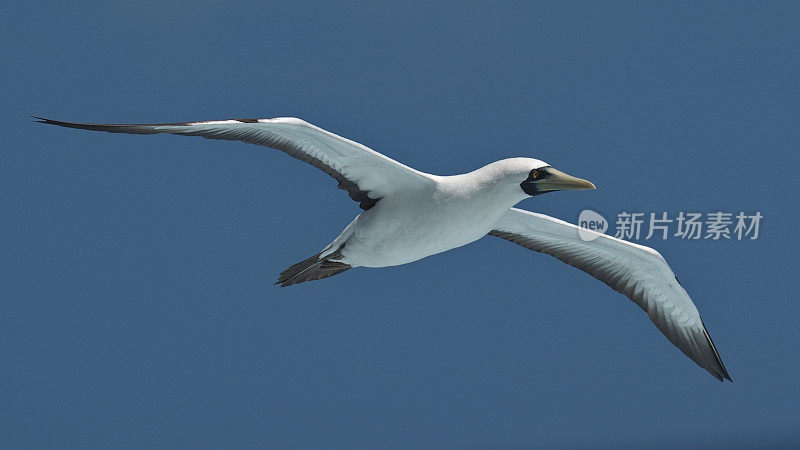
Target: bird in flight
column 409, row 215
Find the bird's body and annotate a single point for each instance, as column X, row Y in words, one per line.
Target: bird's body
column 409, row 215
column 445, row 213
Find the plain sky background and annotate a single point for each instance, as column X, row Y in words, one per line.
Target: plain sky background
column 138, row 309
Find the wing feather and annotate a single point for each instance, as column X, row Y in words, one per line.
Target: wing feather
column 638, row 272
column 365, row 174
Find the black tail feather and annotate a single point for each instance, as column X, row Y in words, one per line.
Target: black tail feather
column 312, row 268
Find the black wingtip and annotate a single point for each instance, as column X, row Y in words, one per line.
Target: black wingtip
column 723, row 371
column 38, row 119
column 722, row 376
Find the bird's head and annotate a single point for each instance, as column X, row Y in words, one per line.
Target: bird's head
column 540, row 178
column 534, row 177
column 521, row 178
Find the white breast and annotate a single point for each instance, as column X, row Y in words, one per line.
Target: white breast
column 408, row 227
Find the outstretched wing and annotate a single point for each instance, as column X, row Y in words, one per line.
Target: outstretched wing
column 365, row 174
column 637, row 271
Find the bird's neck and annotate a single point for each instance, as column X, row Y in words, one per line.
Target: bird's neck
column 484, row 190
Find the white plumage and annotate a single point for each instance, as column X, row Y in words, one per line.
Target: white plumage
column 409, row 215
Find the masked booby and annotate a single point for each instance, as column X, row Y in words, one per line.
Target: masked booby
column 409, row 215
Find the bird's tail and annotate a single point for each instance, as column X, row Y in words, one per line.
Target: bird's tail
column 313, row 268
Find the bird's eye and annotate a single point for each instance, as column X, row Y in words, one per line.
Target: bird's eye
column 535, row 174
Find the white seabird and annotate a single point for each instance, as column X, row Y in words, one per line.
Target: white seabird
column 409, row 215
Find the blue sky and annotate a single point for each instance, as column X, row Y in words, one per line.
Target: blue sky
column 137, row 271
